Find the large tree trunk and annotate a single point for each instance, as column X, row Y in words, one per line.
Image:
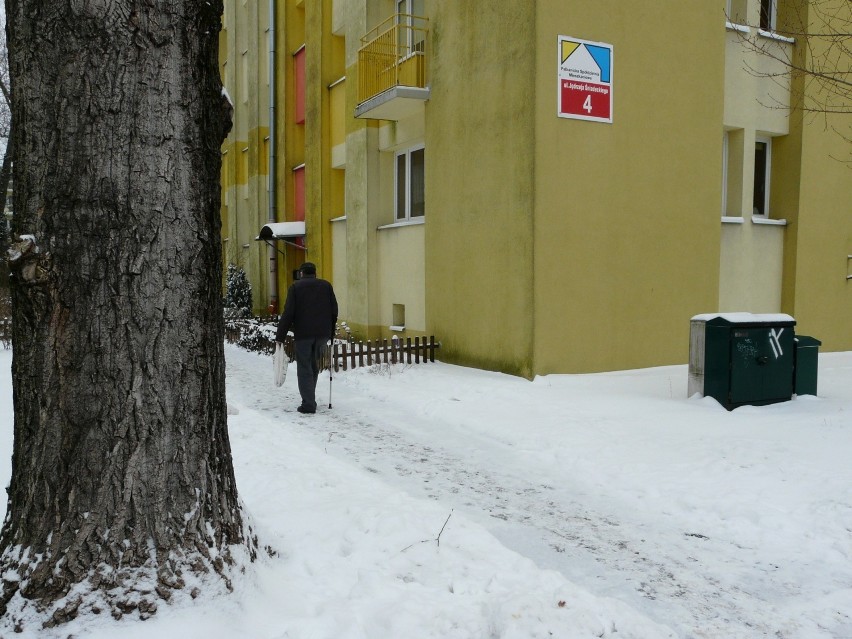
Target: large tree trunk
column 122, row 479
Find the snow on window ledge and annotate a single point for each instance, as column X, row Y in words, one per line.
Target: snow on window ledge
column 732, row 220
column 396, row 225
column 731, row 26
column 771, row 35
column 768, row 221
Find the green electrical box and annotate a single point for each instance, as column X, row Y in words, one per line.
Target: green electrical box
column 742, row 358
column 807, row 355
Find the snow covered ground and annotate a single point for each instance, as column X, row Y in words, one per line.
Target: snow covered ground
column 440, row 502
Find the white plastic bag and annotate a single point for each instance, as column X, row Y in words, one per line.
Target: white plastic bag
column 280, row 361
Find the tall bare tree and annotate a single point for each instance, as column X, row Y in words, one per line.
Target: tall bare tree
column 122, row 480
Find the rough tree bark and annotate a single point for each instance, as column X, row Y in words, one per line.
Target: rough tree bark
column 122, row 480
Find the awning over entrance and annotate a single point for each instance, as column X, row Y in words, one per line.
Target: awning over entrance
column 282, row 231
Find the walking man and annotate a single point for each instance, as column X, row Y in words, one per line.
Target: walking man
column 310, row 311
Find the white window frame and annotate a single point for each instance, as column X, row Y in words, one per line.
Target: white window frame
column 725, row 138
column 405, row 216
column 768, row 141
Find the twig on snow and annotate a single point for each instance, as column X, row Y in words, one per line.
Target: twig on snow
column 437, row 539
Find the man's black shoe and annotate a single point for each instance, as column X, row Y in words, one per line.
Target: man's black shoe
column 306, row 410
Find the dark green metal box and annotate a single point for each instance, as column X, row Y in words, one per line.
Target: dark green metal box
column 807, row 356
column 742, row 358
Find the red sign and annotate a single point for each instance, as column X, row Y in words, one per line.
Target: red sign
column 585, row 99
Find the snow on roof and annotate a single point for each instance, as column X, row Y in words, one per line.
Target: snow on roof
column 746, row 318
column 281, row 231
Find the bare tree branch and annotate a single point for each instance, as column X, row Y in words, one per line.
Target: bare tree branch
column 818, row 64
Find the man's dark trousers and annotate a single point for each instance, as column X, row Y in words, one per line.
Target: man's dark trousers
column 308, row 354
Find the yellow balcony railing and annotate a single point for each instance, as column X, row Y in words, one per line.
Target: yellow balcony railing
column 393, row 54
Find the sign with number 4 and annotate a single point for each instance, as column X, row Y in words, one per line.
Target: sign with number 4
column 585, row 80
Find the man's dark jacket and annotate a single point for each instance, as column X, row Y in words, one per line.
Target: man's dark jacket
column 310, row 310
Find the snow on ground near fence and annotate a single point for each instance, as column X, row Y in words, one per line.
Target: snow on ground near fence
column 571, row 506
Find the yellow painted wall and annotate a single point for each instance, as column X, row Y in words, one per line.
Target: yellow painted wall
column 818, row 203
column 399, row 247
column 292, row 134
column 339, row 265
column 372, row 269
column 757, row 100
column 337, row 129
column 289, row 137
column 751, row 266
column 554, row 245
column 627, row 214
column 324, row 65
column 757, row 92
column 480, row 167
column 402, row 278
column 823, row 303
column 358, row 276
column 243, row 56
column 751, row 261
column 823, row 299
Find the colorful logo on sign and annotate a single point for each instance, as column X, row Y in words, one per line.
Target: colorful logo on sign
column 585, row 80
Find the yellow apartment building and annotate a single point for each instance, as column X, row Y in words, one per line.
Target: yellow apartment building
column 244, row 56
column 544, row 186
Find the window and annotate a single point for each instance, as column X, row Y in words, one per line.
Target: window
column 245, row 80
column 736, row 11
column 243, row 173
column 762, row 166
column 725, row 150
column 299, row 86
column 411, row 34
column 733, row 158
column 768, row 10
column 410, row 184
column 398, row 317
column 299, row 193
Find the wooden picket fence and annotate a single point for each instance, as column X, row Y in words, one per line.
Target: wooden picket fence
column 345, row 355
column 356, row 354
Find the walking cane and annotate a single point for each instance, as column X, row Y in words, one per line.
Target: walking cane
column 330, row 364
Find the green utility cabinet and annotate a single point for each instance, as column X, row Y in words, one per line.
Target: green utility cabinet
column 742, row 358
column 807, row 356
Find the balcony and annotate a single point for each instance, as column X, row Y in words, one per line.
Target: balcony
column 758, row 86
column 392, row 72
